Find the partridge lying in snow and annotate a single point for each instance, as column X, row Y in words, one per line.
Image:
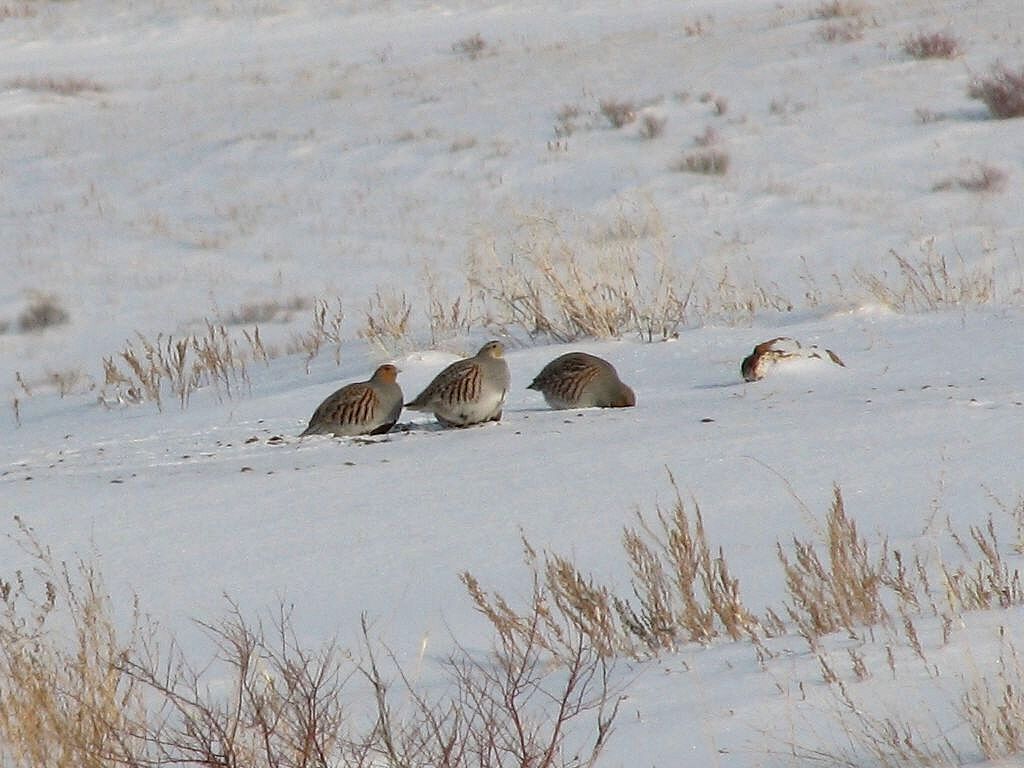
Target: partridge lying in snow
column 468, row 391
column 769, row 354
column 364, row 408
column 579, row 380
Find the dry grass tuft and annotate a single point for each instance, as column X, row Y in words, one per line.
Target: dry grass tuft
column 473, row 46
column 81, row 693
column 1002, row 91
column 618, row 113
column 65, row 702
column 562, row 289
column 325, row 330
column 846, row 31
column 43, row 311
column 843, row 592
column 269, row 311
column 709, row 162
column 18, row 11
column 982, row 178
column 144, row 371
column 931, row 282
column 682, row 588
column 62, row 86
column 994, row 709
column 932, row 45
column 652, row 126
column 839, row 9
column 987, row 582
column 387, row 321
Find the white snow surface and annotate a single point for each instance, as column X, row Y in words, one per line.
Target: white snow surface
column 241, row 152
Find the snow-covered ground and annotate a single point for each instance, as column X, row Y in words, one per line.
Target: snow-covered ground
column 166, row 162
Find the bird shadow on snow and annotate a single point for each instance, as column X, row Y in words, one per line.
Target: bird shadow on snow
column 721, row 384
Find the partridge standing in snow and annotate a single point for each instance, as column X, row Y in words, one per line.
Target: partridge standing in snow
column 579, row 380
column 468, row 391
column 364, row 408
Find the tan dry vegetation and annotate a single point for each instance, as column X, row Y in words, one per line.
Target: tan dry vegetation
column 325, row 330
column 981, row 178
column 44, row 311
column 933, row 282
column 81, row 692
column 932, row 45
column 1002, row 91
column 682, row 590
column 561, row 287
column 147, row 371
column 62, row 86
column 708, row 162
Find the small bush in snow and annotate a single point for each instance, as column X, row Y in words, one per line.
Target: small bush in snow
column 472, row 46
column 838, row 9
column 931, row 45
column 710, row 162
column 270, row 311
column 63, row 86
column 44, row 311
column 651, row 126
column 846, row 31
column 1002, row 91
column 618, row 113
column 982, row 178
column 709, row 138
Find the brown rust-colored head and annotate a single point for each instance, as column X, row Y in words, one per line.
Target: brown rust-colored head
column 385, row 374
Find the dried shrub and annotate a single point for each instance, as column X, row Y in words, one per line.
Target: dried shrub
column 925, row 115
column 709, row 138
column 994, row 709
column 719, row 104
column 842, row 592
column 618, row 113
column 847, row 31
column 930, row 282
column 462, row 143
column 325, row 329
column 283, row 704
column 43, row 311
column 566, row 118
column 145, row 370
column 22, row 11
column 982, row 178
column 839, row 9
column 682, row 592
column 63, row 86
column 652, row 126
column 1002, row 91
column 269, row 311
column 555, row 287
column 932, row 45
column 387, row 321
column 79, row 692
column 70, row 381
column 473, row 46
column 65, row 702
column 710, row 162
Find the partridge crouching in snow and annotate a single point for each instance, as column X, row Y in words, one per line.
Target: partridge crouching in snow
column 579, row 380
column 364, row 408
column 468, row 391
